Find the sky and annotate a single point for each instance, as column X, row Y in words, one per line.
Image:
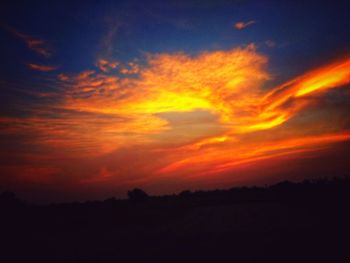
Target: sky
column 99, row 97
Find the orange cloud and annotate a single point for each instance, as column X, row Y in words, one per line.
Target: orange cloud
column 214, row 82
column 274, row 108
column 242, row 25
column 106, row 65
column 204, row 114
column 217, row 160
column 126, row 69
column 131, row 68
column 225, row 84
column 44, row 68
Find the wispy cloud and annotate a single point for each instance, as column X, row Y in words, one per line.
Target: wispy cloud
column 38, row 45
column 242, row 25
column 43, row 68
column 113, row 27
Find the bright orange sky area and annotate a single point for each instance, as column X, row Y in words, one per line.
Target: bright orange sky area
column 175, row 121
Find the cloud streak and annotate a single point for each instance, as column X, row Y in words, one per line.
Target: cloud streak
column 42, row 68
column 242, row 25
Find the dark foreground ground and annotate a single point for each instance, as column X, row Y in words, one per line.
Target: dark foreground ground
column 287, row 222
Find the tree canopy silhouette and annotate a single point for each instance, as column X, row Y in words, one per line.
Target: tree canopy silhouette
column 137, row 194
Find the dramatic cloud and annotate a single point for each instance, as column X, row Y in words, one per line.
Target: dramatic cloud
column 180, row 116
column 242, row 25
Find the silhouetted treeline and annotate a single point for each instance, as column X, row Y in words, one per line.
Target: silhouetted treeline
column 308, row 190
column 286, row 222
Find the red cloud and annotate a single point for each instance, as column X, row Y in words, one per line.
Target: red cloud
column 43, row 68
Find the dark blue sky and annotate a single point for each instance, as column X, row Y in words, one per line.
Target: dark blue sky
column 304, row 32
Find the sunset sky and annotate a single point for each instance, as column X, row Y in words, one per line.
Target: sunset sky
column 98, row 98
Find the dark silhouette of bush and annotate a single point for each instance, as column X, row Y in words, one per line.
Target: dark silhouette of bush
column 137, row 195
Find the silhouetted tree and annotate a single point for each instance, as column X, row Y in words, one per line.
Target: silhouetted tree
column 137, row 195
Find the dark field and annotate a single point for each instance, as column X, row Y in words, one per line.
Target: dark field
column 287, row 222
